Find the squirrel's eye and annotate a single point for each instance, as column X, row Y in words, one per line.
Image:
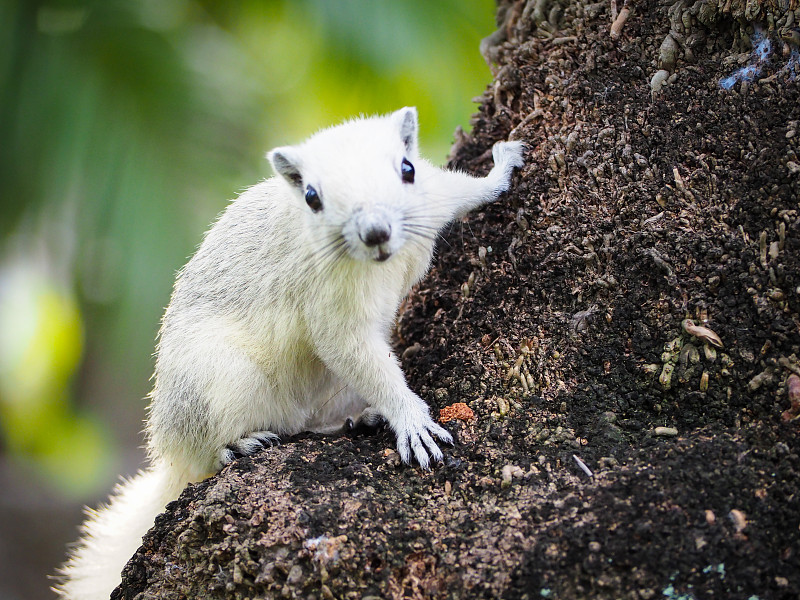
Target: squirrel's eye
column 407, row 171
column 313, row 200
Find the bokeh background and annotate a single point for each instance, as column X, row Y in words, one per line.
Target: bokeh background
column 125, row 127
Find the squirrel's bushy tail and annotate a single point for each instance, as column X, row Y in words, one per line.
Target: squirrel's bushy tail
column 112, row 533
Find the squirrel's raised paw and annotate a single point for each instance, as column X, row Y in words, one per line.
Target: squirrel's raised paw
column 508, row 154
column 247, row 446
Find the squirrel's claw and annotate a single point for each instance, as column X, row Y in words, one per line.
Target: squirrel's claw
column 247, row 446
column 422, row 444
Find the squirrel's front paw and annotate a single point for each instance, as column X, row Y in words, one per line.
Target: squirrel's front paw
column 508, row 154
column 417, row 436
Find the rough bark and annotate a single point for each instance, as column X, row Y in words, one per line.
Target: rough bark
column 559, row 315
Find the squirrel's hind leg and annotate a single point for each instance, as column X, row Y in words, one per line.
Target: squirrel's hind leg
column 248, row 445
column 343, row 405
column 369, row 422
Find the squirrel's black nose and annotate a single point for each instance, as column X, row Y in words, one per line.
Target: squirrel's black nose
column 376, row 235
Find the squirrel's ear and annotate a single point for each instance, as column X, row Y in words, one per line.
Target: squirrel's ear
column 286, row 163
column 406, row 121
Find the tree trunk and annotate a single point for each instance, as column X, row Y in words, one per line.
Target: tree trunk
column 624, row 323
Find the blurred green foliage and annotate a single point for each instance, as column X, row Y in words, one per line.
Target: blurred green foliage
column 125, row 125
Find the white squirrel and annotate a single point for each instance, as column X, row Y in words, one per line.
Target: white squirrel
column 280, row 322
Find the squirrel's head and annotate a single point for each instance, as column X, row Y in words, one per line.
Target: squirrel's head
column 355, row 183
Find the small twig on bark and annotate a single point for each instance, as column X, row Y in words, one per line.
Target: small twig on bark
column 619, row 22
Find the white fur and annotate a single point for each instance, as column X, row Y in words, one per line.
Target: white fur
column 112, row 533
column 280, row 322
